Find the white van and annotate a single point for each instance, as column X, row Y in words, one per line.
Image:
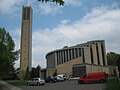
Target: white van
column 62, row 76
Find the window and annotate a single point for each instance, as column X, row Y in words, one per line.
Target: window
column 28, row 13
column 84, row 76
column 79, row 52
column 70, row 54
column 67, row 54
column 103, row 55
column 36, row 79
column 76, row 53
column 24, row 13
column 73, row 54
column 64, row 56
column 98, row 54
column 57, row 58
column 83, row 55
column 91, row 53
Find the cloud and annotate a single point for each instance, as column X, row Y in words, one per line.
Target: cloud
column 13, row 6
column 47, row 8
column 8, row 6
column 65, row 21
column 52, row 8
column 99, row 24
column 73, row 3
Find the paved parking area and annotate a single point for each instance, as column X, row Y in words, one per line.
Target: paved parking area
column 66, row 85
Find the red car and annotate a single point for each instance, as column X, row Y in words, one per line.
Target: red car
column 93, row 77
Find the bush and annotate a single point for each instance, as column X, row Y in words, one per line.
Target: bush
column 113, row 84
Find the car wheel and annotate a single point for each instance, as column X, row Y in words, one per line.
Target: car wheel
column 38, row 84
column 102, row 81
column 81, row 82
column 28, row 84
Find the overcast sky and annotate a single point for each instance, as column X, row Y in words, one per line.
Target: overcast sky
column 55, row 26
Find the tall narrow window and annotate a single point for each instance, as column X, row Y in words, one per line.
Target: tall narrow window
column 76, row 53
column 73, row 54
column 98, row 55
column 28, row 13
column 57, row 58
column 103, row 55
column 70, row 53
column 83, row 55
column 91, row 53
column 24, row 14
column 67, row 55
column 79, row 52
column 61, row 56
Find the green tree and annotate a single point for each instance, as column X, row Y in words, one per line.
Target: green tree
column 35, row 72
column 38, row 69
column 118, row 63
column 61, row 2
column 8, row 54
column 27, row 74
column 114, row 60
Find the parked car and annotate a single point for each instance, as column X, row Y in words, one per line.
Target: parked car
column 36, row 81
column 93, row 77
column 64, row 76
column 59, row 79
column 50, row 79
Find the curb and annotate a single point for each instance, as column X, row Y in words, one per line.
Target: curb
column 76, row 78
column 6, row 86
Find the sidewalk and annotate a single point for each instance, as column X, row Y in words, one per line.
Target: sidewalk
column 6, row 86
column 74, row 78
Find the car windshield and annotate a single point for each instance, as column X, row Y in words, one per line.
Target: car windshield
column 32, row 79
column 36, row 79
column 84, row 75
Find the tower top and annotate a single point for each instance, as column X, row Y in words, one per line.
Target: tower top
column 27, row 13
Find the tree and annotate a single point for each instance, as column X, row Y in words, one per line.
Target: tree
column 61, row 2
column 38, row 68
column 8, row 54
column 114, row 60
column 55, row 73
column 27, row 74
column 35, row 72
column 118, row 63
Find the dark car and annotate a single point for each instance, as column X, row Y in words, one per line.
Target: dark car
column 50, row 79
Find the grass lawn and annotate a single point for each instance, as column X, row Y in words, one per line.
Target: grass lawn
column 113, row 84
column 17, row 82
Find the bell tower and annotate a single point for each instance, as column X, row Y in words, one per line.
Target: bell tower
column 26, row 41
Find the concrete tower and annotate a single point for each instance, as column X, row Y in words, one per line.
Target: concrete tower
column 26, row 41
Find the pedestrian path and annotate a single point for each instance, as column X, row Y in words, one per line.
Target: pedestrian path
column 6, row 86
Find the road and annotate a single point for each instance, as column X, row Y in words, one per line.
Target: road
column 66, row 85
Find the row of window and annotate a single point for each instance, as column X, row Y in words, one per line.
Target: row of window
column 68, row 54
column 26, row 14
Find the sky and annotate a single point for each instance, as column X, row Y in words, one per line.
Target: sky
column 55, row 26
